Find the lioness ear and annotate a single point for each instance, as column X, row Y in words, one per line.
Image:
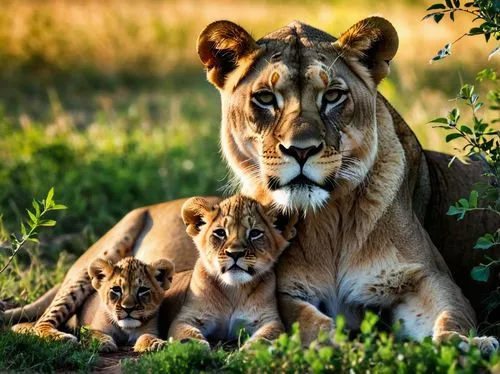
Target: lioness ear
column 194, row 212
column 98, row 271
column 373, row 42
column 220, row 46
column 163, row 272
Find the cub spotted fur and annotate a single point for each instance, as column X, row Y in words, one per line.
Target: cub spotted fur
column 233, row 283
column 124, row 310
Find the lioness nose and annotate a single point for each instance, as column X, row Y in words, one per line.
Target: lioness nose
column 235, row 255
column 301, row 154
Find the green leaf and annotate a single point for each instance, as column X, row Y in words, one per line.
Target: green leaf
column 32, row 216
column 36, row 206
column 438, row 17
column 480, row 273
column 476, row 31
column 473, row 199
column 47, row 222
column 23, row 230
column 450, row 137
column 483, row 243
column 436, row 6
column 464, row 203
column 466, row 129
column 49, row 199
column 34, row 240
column 439, row 120
column 59, row 207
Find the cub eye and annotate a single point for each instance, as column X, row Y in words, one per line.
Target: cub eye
column 220, row 233
column 143, row 291
column 254, row 234
column 116, row 289
column 333, row 96
column 264, row 98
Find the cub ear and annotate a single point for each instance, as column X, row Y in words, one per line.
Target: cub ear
column 373, row 42
column 220, row 46
column 98, row 271
column 284, row 223
column 163, row 272
column 194, row 214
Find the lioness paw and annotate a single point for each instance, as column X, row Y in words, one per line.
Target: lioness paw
column 486, row 344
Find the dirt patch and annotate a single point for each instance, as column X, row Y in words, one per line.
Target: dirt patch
column 110, row 362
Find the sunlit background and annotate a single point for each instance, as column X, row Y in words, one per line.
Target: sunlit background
column 106, row 100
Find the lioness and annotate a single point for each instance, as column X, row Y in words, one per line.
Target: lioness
column 124, row 310
column 233, row 284
column 303, row 127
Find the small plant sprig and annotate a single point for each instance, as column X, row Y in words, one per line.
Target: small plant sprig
column 482, row 142
column 35, row 220
column 487, row 11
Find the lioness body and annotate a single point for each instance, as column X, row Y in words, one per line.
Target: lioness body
column 233, row 285
column 303, row 127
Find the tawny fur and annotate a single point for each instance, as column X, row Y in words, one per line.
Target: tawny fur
column 217, row 307
column 384, row 188
column 124, row 310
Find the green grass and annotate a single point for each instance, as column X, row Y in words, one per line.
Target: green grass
column 370, row 352
column 27, row 353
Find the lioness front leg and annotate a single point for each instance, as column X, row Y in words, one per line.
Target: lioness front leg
column 184, row 332
column 265, row 333
column 310, row 319
column 439, row 309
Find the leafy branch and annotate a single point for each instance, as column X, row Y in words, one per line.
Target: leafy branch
column 482, row 142
column 36, row 219
column 487, row 11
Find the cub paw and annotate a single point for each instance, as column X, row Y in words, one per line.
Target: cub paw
column 50, row 332
column 23, row 328
column 108, row 346
column 149, row 343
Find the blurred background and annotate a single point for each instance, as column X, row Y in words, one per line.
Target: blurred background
column 106, row 101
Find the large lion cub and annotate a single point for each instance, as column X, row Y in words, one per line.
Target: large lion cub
column 233, row 283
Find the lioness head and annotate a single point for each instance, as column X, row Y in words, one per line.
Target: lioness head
column 131, row 290
column 238, row 239
column 299, row 122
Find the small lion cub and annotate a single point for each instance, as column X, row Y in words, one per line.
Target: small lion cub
column 233, row 283
column 125, row 308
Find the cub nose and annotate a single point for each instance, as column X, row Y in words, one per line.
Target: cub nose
column 128, row 310
column 235, row 255
column 301, row 154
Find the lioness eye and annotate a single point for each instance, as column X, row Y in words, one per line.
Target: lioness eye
column 220, row 233
column 264, row 98
column 255, row 234
column 143, row 291
column 331, row 96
